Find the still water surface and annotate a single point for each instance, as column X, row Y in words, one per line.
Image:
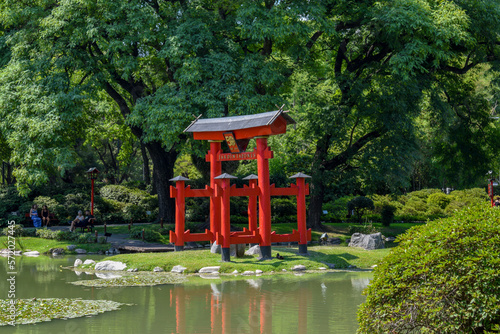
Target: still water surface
column 312, row 303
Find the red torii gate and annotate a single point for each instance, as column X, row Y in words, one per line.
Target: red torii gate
column 237, row 132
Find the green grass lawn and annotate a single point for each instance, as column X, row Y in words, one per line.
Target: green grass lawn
column 342, row 257
column 44, row 245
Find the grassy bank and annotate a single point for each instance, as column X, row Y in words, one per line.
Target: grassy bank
column 319, row 256
column 44, row 245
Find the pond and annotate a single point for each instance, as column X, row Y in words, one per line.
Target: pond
column 285, row 303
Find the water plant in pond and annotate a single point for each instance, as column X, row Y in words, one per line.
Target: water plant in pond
column 134, row 280
column 29, row 311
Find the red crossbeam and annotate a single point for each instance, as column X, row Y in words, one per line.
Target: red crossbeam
column 290, row 237
column 188, row 236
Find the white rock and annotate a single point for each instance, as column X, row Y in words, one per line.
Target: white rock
column 134, row 270
column 78, row 262
column 110, row 265
column 322, row 268
column 88, row 261
column 299, row 267
column 158, row 270
column 33, row 253
column 258, row 271
column 235, row 272
column 248, row 273
column 215, row 249
column 206, row 270
column 255, row 250
column 178, row 269
column 283, row 269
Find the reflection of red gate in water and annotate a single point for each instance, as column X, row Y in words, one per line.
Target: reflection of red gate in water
column 237, row 131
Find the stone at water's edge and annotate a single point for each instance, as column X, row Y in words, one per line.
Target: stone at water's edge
column 367, row 241
column 248, row 273
column 88, row 261
column 110, row 265
column 206, row 270
column 80, row 251
column 71, row 247
column 178, row 269
column 299, row 267
column 158, row 270
column 78, row 262
column 33, row 253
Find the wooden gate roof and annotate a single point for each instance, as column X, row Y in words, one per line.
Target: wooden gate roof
column 243, row 127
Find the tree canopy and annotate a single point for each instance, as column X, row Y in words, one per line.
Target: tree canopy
column 368, row 81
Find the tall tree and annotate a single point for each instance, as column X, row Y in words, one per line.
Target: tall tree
column 162, row 62
column 377, row 63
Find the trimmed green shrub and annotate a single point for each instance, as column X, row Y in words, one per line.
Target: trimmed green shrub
column 360, row 205
column 387, row 214
column 440, row 200
column 444, row 277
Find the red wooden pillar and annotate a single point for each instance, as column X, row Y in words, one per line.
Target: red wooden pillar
column 252, row 203
column 264, row 197
column 225, row 215
column 301, row 210
column 215, row 170
column 180, row 210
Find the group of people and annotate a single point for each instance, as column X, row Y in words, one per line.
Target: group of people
column 81, row 220
column 44, row 218
column 37, row 220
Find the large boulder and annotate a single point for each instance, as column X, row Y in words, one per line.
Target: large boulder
column 238, row 250
column 254, row 250
column 110, row 265
column 367, row 241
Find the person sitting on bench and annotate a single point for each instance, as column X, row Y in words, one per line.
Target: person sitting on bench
column 37, row 221
column 45, row 216
column 81, row 221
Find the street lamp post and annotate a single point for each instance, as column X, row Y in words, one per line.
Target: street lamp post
column 92, row 174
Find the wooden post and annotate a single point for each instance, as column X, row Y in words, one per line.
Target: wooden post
column 180, row 222
column 215, row 170
column 96, row 236
column 225, row 215
column 264, row 198
column 105, row 228
column 301, row 215
column 252, row 204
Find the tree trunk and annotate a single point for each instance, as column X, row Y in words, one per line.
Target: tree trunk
column 163, row 162
column 146, row 173
column 318, row 184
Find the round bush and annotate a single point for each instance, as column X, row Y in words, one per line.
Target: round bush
column 444, row 277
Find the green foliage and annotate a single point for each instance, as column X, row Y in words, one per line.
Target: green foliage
column 387, row 214
column 443, row 277
column 284, row 210
column 153, row 233
column 10, row 200
column 367, row 228
column 360, row 205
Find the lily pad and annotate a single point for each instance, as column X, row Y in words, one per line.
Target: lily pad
column 29, row 311
column 133, row 280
